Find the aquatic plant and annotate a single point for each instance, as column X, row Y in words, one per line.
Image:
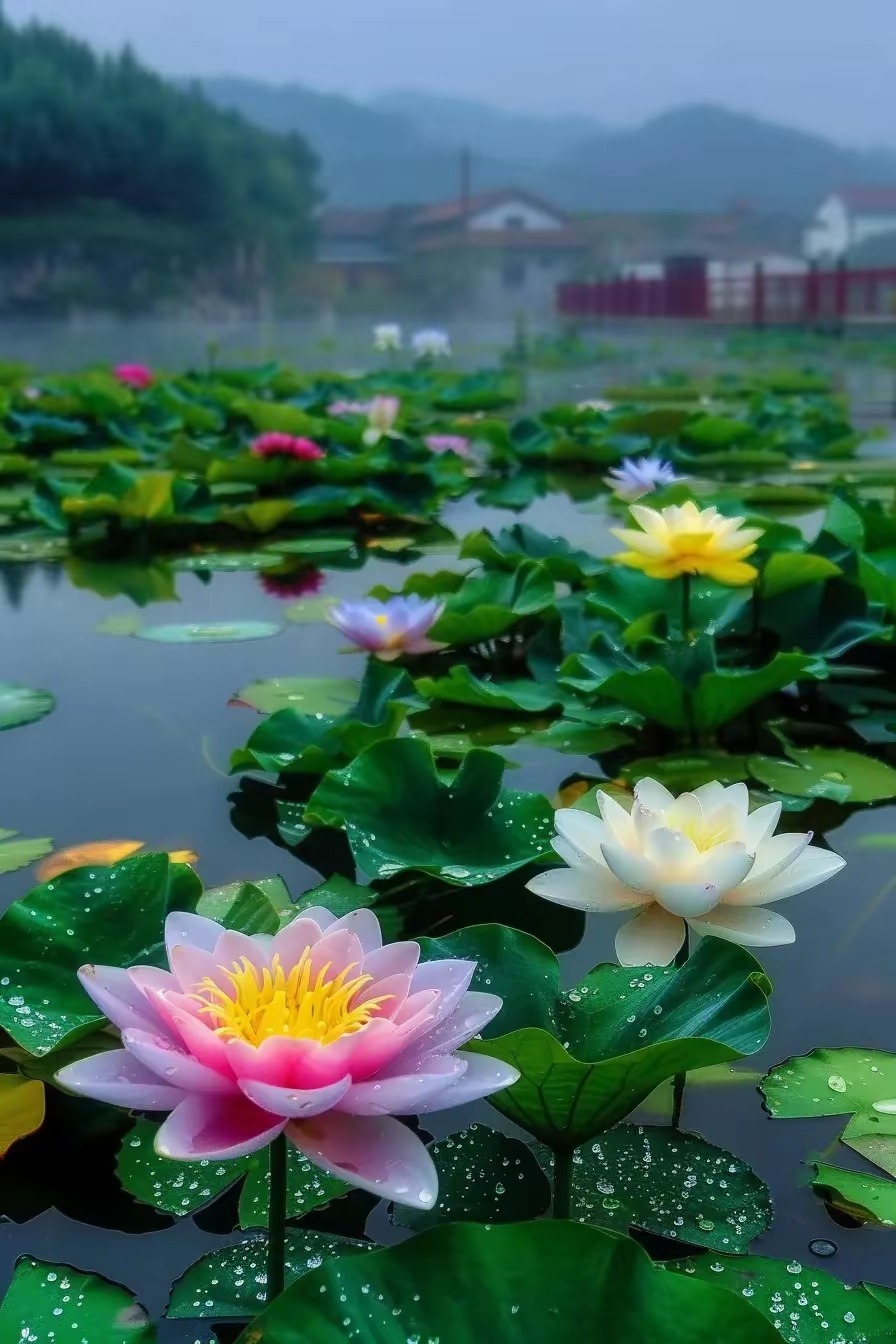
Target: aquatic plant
column 447, row 443
column 276, row 444
column 637, row 476
column 683, row 540
column 387, row 336
column 382, row 414
column 431, row 343
column 136, row 376
column 388, row 629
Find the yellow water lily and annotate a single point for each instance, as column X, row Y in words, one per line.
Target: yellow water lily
column 683, row 539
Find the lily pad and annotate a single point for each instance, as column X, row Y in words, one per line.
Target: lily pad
column 111, row 916
column 486, row 605
column 314, row 545
column 671, row 1183
column 226, row 562
column 232, row 1282
column 824, row 772
column 22, row 704
column 484, row 1177
column 22, row 1106
column 309, row 695
column 786, row 570
column 16, row 854
column 213, row 633
column 861, row 1196
column 178, row 1188
column 461, row 687
column 467, row 829
column 249, row 907
column 541, row 1281
column 803, row 1303
column 307, row 1187
column 47, row 1302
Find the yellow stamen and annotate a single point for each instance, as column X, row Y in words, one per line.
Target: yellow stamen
column 268, row 1002
column 381, row 620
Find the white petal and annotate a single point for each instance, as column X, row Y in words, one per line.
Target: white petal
column 670, row 849
column 581, row 830
column 812, row 867
column 633, row 870
column 596, row 890
column 747, row 926
column 650, row 939
column 736, row 796
column 760, row 825
column 688, row 898
column 618, row 820
column 196, row 930
column 723, row 866
column 653, row 795
column 775, row 856
column 710, row 796
column 685, row 813
column 574, row 858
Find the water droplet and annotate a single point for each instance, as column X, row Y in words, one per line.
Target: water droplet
column 836, row 1083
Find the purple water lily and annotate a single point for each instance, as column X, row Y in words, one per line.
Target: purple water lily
column 637, row 476
column 388, row 629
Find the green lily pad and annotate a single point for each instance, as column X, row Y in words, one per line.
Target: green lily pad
column 540, row 1281
column 22, row 704
column 618, row 1048
column 515, row 544
column 308, row 695
column 806, row 1305
column 111, row 916
column 486, row 605
column 786, row 570
column 308, row 610
column 214, row 633
column 671, row 1183
column 232, row 1282
column 27, row 549
column 721, row 696
column 48, row 1302
column 484, row 1177
column 249, row 907
column 824, row 772
column 314, row 545
column 16, row 854
column 461, row 687
column 128, row 623
column 681, row 773
column 466, row 829
column 307, row 1187
column 226, row 562
column 863, row 1197
column 178, row 1188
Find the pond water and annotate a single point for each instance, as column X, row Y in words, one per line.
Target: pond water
column 138, row 748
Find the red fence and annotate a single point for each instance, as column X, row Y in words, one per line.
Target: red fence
column 811, row 298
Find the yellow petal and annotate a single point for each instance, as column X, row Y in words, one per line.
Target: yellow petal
column 22, row 1108
column 183, row 856
column 100, row 854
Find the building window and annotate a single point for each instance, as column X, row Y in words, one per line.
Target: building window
column 514, row 222
column 513, row 273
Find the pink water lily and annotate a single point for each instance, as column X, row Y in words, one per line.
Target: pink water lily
column 448, row 443
column 275, row 444
column 388, row 629
column 136, row 376
column 318, row 1031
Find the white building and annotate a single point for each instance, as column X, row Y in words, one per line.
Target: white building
column 848, row 218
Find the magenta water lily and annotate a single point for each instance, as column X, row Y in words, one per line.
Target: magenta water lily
column 275, row 444
column 319, row 1031
column 388, row 629
column 136, row 376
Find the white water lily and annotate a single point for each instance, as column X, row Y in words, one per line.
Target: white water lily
column 701, row 860
column 387, row 336
column 431, row 343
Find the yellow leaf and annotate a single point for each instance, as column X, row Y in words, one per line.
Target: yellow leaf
column 390, row 543
column 100, row 853
column 21, row 1108
column 570, row 793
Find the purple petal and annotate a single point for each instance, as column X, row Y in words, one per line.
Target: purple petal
column 294, row 1103
column 118, row 998
column 393, row 959
column 291, row 942
column 195, row 930
column 483, row 1076
column 450, row 977
column 174, row 1066
column 216, row 1127
column 364, row 925
column 405, row 1093
column 378, row 1154
column 117, row 1078
column 473, row 1012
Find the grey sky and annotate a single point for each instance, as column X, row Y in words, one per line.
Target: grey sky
column 818, row 64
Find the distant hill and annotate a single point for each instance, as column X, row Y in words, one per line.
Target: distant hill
column 512, row 136
column 405, row 147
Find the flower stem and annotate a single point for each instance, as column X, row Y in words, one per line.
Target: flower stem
column 562, row 1183
column 277, row 1219
column 680, row 1079
column 685, row 606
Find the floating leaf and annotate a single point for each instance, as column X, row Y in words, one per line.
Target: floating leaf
column 824, row 772
column 671, row 1183
column 16, row 854
column 48, row 1302
column 484, row 1177
column 540, row 1281
column 314, row 545
column 309, row 695
column 308, row 610
column 461, row 687
column 486, row 605
column 467, row 829
column 22, row 1106
column 249, row 907
column 110, row 916
column 213, row 633
column 179, row 1188
column 307, row 1187
column 100, row 853
column 226, row 562
column 128, row 623
column 22, row 704
column 232, row 1282
column 863, row 1197
column 803, row 1303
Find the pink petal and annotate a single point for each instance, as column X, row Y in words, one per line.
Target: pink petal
column 450, row 977
column 194, row 930
column 232, row 948
column 118, row 998
column 392, row 959
column 174, row 1066
column 304, row 1064
column 418, row 1009
column 405, row 1093
column 116, row 1077
column 322, row 917
column 393, row 990
column 291, row 942
column 215, row 1127
column 482, row 1077
column 473, row 1012
column 338, row 951
column 378, row 1154
column 292, row 1103
column 364, row 925
column 203, row 1043
column 191, row 965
